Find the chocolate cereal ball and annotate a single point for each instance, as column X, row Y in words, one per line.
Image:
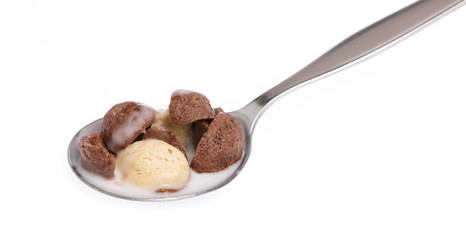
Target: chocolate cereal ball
column 220, row 146
column 188, row 106
column 124, row 122
column 95, row 156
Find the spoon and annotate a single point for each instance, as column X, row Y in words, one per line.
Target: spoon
column 355, row 47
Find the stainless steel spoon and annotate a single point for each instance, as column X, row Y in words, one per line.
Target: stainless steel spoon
column 355, row 47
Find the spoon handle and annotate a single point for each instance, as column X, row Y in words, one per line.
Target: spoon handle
column 360, row 44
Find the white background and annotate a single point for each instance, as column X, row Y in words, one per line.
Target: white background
column 377, row 151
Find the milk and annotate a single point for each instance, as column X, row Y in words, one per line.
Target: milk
column 198, row 182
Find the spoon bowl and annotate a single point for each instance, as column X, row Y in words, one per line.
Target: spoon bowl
column 355, row 47
column 198, row 183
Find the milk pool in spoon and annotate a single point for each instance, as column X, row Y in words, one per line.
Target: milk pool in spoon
column 357, row 46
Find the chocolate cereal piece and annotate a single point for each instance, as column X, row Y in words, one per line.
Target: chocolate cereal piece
column 165, row 135
column 124, row 122
column 218, row 110
column 198, row 130
column 95, row 156
column 201, row 126
column 220, row 147
column 187, row 107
